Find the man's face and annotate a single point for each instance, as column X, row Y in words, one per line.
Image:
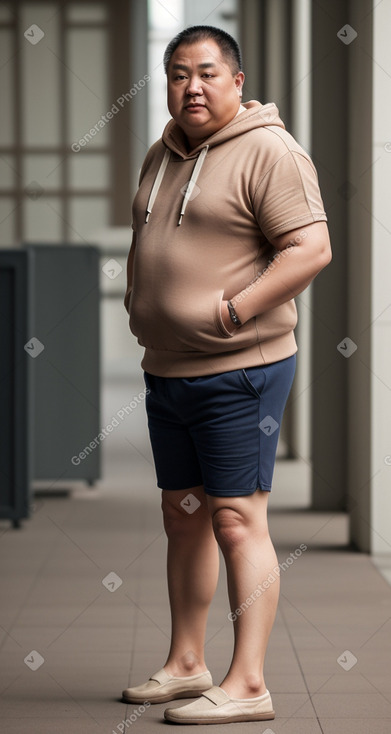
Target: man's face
column 202, row 93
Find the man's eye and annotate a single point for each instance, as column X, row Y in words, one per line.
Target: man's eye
column 208, row 76
column 180, row 77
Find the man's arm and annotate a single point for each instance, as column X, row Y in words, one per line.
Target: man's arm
column 287, row 276
column 129, row 272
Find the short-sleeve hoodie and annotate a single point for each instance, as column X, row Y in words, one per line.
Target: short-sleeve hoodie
column 202, row 222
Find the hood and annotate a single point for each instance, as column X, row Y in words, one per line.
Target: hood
column 256, row 115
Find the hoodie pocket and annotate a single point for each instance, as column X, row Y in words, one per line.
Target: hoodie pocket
column 183, row 324
column 199, row 326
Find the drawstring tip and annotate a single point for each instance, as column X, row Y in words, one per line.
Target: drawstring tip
column 147, row 217
column 180, row 220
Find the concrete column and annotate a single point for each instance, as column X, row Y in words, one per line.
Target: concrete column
column 359, row 287
column 380, row 322
column 329, row 292
column 119, row 84
column 300, row 403
column 252, row 32
column 277, row 56
column 138, row 43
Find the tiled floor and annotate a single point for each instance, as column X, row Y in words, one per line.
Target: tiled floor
column 92, row 641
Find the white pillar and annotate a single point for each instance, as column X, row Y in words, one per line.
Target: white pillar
column 380, row 511
column 301, row 129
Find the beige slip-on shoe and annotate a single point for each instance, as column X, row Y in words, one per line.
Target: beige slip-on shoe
column 216, row 707
column 163, row 687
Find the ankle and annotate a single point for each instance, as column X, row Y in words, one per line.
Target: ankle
column 185, row 665
column 248, row 686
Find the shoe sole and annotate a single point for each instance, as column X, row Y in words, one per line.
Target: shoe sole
column 164, row 698
column 223, row 719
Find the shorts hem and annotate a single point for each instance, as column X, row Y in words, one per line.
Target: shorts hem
column 179, row 488
column 237, row 492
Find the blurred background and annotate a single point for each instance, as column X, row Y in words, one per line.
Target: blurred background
column 83, row 98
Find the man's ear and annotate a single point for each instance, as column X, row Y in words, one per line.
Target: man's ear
column 239, row 81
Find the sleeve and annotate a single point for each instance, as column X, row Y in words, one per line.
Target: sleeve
column 288, row 196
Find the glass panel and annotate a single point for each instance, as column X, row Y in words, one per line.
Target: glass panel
column 42, row 169
column 7, row 172
column 8, row 210
column 164, row 21
column 84, row 12
column 157, row 91
column 43, row 221
column 7, row 88
column 40, row 88
column 222, row 14
column 87, row 59
column 88, row 215
column 89, row 171
column 162, row 15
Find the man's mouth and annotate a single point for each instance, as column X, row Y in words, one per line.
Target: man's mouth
column 194, row 106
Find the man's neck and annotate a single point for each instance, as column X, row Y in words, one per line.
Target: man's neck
column 194, row 143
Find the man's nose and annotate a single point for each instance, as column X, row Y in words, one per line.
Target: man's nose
column 194, row 86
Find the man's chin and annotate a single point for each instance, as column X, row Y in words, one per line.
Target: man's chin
column 192, row 127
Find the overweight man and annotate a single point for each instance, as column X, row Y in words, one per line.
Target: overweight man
column 228, row 227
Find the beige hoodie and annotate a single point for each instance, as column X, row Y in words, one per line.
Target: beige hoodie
column 202, row 223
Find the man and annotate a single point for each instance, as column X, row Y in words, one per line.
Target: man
column 228, row 227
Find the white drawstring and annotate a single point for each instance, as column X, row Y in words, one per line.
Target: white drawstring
column 156, row 183
column 193, row 179
column 189, row 187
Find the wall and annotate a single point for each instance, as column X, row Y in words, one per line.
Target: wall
column 380, row 324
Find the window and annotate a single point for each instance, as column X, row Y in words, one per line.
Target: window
column 61, row 126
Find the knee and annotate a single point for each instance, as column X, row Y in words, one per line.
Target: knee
column 172, row 518
column 230, row 528
column 177, row 522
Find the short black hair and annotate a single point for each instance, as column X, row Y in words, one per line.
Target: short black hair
column 228, row 46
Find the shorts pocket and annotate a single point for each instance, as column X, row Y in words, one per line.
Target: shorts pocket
column 254, row 379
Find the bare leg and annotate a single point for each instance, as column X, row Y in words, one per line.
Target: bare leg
column 192, row 574
column 240, row 525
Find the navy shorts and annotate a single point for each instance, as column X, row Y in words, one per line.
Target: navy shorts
column 221, row 430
